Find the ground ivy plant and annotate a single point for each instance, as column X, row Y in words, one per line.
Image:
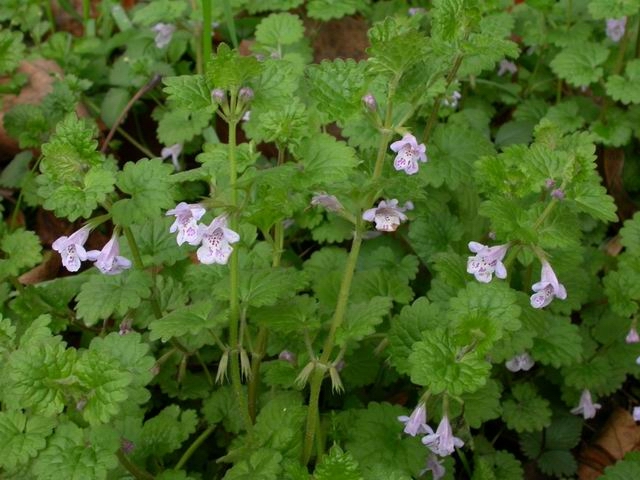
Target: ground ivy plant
column 401, row 267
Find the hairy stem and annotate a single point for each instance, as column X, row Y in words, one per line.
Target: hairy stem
column 194, row 446
column 137, row 472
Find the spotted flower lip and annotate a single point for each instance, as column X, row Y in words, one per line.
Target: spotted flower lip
column 72, row 249
column 442, row 442
column 547, row 288
column 216, row 242
column 108, row 260
column 586, row 407
column 186, row 223
column 409, row 152
column 520, row 362
column 417, row 422
column 164, row 32
column 487, row 261
column 387, row 215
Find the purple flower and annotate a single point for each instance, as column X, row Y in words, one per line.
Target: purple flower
column 408, row 153
column 507, row 66
column 387, row 215
column 586, row 407
column 186, row 222
column 520, row 362
column 549, row 183
column 417, row 422
column 615, row 28
column 434, row 466
column 174, row 152
column 217, row 95
column 416, row 10
column 245, row 94
column 288, row 356
column 442, row 442
column 547, row 288
column 557, row 194
column 487, row 261
column 216, row 241
column 329, row 202
column 632, row 336
column 453, row 100
column 71, row 248
column 108, row 260
column 636, row 414
column 164, row 32
column 369, row 101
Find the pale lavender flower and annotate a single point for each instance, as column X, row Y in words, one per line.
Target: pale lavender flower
column 416, row 10
column 638, row 361
column 247, row 116
column 71, row 248
column 245, row 94
column 442, row 442
column 434, row 465
column 108, row 260
column 288, row 356
column 632, row 336
column 522, row 362
column 547, row 288
column 369, row 101
column 174, row 152
column 417, row 422
column 507, row 66
column 329, row 202
column 216, row 241
column 164, row 32
column 586, row 407
column 217, row 95
column 616, row 28
column 549, row 183
column 408, row 153
column 636, row 414
column 387, row 215
column 487, row 261
column 557, row 194
column 186, row 223
column 453, row 100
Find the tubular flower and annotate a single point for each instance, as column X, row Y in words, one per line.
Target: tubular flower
column 632, row 336
column 408, row 153
column 216, row 242
column 174, row 152
column 636, row 414
column 507, row 66
column 522, row 362
column 547, row 288
column 434, row 465
column 108, row 260
column 164, row 32
column 442, row 442
column 186, row 222
column 330, row 202
column 586, row 407
column 417, row 422
column 487, row 261
column 71, row 248
column 616, row 28
column 387, row 215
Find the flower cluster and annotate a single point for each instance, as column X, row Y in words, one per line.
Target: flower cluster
column 214, row 239
column 441, row 443
column 73, row 253
column 387, row 215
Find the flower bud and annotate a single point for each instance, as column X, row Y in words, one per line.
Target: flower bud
column 557, row 194
column 246, row 94
column 287, row 356
column 217, row 95
column 369, row 101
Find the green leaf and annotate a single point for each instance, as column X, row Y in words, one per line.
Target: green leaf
column 221, row 406
column 625, row 89
column 27, row 124
column 361, row 319
column 181, row 125
column 189, row 320
column 272, row 5
column 104, row 386
column 498, row 465
column 630, row 234
column 279, row 29
column 13, row 174
column 439, row 364
column 325, row 160
column 328, row 9
column 338, row 465
column 113, row 104
column 602, row 9
column 159, row 11
column 188, row 92
column 151, row 190
column 67, row 455
column 167, row 431
column 104, row 295
column 282, row 433
column 374, row 437
column 526, row 411
column 559, row 343
column 580, row 64
column 22, row 437
column 12, row 49
column 263, row 464
column 266, row 286
column 228, row 70
column 395, row 47
column 156, row 244
column 21, row 250
column 434, row 231
column 594, row 200
column 483, row 404
column 286, row 123
column 628, row 467
column 337, row 87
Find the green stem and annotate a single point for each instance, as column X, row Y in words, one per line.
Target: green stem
column 256, row 362
column 49, row 11
column 194, row 446
column 86, row 14
column 137, row 261
column 205, row 35
column 137, row 472
column 231, row 25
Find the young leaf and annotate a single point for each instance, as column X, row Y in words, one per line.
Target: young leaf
column 338, row 465
column 580, row 64
column 228, row 70
column 21, row 250
column 526, row 411
column 279, row 29
column 189, row 92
